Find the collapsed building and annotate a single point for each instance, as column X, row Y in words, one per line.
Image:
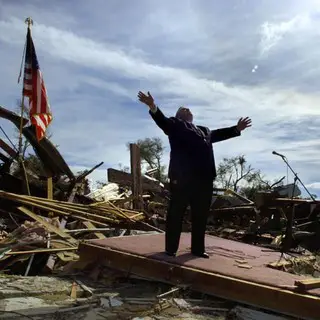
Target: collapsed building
column 48, row 227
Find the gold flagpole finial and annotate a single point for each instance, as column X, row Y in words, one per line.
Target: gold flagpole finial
column 29, row 22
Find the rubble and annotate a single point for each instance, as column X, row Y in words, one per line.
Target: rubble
column 33, row 237
column 114, row 296
column 40, row 233
column 233, row 216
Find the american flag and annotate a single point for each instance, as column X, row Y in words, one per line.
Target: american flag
column 34, row 88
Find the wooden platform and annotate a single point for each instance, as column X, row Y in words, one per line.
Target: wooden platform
column 235, row 271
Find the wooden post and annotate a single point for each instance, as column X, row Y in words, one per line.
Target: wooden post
column 136, row 176
column 52, row 258
column 50, row 192
column 49, row 188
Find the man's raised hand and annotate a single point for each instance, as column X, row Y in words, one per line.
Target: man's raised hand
column 243, row 123
column 146, row 99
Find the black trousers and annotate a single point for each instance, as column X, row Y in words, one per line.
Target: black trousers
column 197, row 194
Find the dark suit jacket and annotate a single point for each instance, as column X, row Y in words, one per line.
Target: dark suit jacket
column 191, row 155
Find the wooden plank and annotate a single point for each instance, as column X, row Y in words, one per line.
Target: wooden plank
column 90, row 225
column 52, row 259
column 67, row 256
column 239, row 196
column 49, row 226
column 50, row 191
column 308, row 284
column 136, row 185
column 73, row 192
column 12, row 153
column 42, row 204
column 287, row 201
column 87, row 172
column 49, row 188
column 12, row 116
column 13, row 253
column 242, row 291
column 125, row 179
column 89, row 230
column 4, row 158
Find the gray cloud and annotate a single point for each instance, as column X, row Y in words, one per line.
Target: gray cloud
column 96, row 56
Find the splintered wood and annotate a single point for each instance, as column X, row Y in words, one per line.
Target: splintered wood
column 102, row 213
column 47, row 234
column 285, row 264
column 48, row 226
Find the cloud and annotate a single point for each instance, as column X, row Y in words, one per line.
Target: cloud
column 273, row 33
column 193, row 56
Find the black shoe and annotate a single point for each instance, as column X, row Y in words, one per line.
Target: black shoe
column 170, row 254
column 201, row 255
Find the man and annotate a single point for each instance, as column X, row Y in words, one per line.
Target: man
column 191, row 172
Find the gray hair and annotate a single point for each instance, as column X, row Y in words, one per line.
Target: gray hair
column 179, row 112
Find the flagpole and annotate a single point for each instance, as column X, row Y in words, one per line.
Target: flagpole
column 29, row 23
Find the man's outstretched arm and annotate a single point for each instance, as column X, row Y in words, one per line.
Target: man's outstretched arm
column 230, row 132
column 224, row 134
column 160, row 119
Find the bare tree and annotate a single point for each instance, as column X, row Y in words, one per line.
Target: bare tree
column 233, row 170
column 236, row 174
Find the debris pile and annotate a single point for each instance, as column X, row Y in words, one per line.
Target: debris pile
column 112, row 296
column 268, row 220
column 45, row 214
column 46, row 233
column 45, row 217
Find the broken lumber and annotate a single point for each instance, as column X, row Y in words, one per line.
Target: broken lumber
column 12, row 153
column 90, row 225
column 45, row 250
column 307, row 284
column 48, row 226
column 125, row 179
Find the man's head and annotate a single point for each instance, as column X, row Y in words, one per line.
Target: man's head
column 185, row 114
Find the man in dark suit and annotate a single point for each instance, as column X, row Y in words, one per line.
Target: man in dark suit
column 191, row 172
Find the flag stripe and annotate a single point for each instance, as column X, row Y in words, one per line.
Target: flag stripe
column 34, row 88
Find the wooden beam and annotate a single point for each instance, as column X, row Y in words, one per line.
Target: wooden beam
column 49, row 188
column 275, row 299
column 52, row 259
column 4, row 158
column 12, row 153
column 12, row 116
column 44, row 250
column 75, row 213
column 136, row 185
column 88, row 230
column 125, row 179
column 239, row 196
column 50, row 192
column 90, row 225
column 308, row 284
column 86, row 173
column 49, row 226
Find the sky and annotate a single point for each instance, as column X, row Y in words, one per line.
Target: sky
column 222, row 59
